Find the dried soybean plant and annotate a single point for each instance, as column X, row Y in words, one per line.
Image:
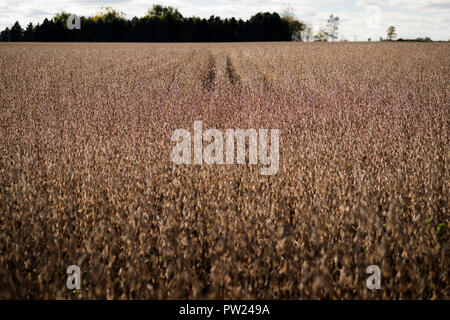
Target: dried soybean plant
column 86, row 176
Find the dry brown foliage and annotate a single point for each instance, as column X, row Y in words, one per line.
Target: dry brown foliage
column 86, row 176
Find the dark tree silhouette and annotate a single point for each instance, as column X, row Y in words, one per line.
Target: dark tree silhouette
column 28, row 34
column 16, row 33
column 160, row 24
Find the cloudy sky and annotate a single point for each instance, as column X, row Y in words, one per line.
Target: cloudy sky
column 360, row 19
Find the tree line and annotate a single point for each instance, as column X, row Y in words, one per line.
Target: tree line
column 160, row 24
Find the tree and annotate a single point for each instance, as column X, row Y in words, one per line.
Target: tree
column 161, row 11
column 391, row 33
column 108, row 14
column 267, row 26
column 295, row 26
column 16, row 33
column 307, row 33
column 156, row 11
column 287, row 11
column 332, row 27
column 160, row 24
column 61, row 18
column 5, row 35
column 28, row 34
column 321, row 35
